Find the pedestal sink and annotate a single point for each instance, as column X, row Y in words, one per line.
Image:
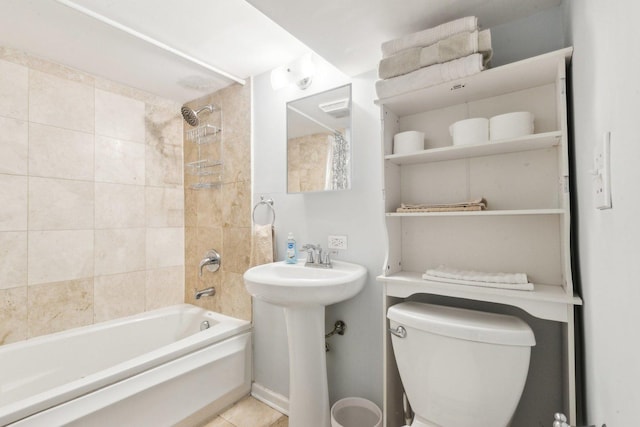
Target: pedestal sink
column 304, row 292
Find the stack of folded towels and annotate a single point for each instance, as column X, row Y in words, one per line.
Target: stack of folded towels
column 446, row 274
column 473, row 205
column 447, row 52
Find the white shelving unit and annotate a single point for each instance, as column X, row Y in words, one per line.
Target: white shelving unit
column 525, row 182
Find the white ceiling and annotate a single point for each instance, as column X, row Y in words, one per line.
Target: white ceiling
column 231, row 35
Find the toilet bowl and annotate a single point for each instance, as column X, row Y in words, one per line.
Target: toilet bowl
column 460, row 367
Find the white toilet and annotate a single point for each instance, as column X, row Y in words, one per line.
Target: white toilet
column 460, row 368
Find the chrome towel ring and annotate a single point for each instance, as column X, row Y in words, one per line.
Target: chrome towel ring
column 268, row 203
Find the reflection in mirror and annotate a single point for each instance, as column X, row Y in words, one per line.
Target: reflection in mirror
column 319, row 142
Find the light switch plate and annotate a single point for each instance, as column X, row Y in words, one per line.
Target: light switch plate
column 602, row 173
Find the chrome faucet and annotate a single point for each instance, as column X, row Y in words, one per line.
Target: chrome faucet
column 208, row 292
column 212, row 259
column 316, row 257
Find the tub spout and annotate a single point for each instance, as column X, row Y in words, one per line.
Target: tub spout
column 208, row 292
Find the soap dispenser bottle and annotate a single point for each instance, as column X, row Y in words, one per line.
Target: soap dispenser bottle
column 291, row 256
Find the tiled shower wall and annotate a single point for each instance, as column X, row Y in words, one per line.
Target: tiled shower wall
column 220, row 218
column 91, row 199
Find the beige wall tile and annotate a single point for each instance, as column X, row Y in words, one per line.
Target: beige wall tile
column 119, row 161
column 118, row 295
column 236, row 211
column 165, row 247
column 56, row 256
column 13, row 315
column 190, row 206
column 60, row 153
column 13, row 210
column 59, row 306
column 237, row 153
column 60, row 204
column 14, row 145
column 13, row 259
column 164, row 125
column 234, row 296
column 60, row 102
column 59, row 181
column 236, row 248
column 14, row 90
column 209, row 204
column 164, row 287
column 119, row 250
column 119, row 206
column 164, row 207
column 163, row 166
column 119, row 116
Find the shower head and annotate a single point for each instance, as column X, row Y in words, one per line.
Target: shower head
column 191, row 116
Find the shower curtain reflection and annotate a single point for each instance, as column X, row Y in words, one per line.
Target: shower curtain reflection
column 337, row 175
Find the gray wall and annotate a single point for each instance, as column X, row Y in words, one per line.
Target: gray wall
column 527, row 37
column 605, row 71
column 355, row 361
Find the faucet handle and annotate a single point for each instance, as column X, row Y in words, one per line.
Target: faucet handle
column 326, row 259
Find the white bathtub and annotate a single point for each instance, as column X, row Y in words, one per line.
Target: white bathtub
column 152, row 369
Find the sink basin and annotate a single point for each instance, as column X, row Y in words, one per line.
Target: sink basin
column 303, row 292
column 294, row 284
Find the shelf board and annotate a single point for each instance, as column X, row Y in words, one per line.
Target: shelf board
column 550, row 302
column 531, row 72
column 536, row 141
column 510, row 212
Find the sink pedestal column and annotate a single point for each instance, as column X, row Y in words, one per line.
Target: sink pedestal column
column 308, row 389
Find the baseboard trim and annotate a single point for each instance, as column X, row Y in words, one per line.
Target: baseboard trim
column 269, row 397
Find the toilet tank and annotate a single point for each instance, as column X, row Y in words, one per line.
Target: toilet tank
column 461, row 367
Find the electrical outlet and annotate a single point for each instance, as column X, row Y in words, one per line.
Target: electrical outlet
column 337, row 242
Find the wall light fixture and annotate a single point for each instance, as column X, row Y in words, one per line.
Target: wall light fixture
column 299, row 72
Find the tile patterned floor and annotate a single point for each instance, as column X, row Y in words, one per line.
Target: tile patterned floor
column 249, row 412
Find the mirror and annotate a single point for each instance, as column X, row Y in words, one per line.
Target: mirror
column 319, row 142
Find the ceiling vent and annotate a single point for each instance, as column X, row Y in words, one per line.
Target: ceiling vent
column 338, row 108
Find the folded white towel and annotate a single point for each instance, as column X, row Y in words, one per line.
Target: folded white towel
column 514, row 286
column 430, row 36
column 478, row 276
column 453, row 47
column 430, row 76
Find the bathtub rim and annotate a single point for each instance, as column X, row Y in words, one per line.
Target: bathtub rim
column 227, row 327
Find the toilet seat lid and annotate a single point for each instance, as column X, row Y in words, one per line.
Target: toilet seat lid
column 470, row 325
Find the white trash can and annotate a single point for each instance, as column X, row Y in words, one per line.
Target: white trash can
column 355, row 412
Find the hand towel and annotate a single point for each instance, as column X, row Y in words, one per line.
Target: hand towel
column 514, row 286
column 430, row 76
column 473, row 205
column 454, row 47
column 430, row 36
column 478, row 276
column 262, row 249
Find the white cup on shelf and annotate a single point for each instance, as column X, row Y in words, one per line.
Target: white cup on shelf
column 470, row 131
column 511, row 125
column 408, row 142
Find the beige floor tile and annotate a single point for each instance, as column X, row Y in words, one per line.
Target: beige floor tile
column 282, row 422
column 218, row 422
column 251, row 413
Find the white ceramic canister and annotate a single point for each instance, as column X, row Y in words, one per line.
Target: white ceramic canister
column 470, row 131
column 511, row 125
column 407, row 142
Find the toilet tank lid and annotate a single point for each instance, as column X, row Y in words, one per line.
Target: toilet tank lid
column 470, row 325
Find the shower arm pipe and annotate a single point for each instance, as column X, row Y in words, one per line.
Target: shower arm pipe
column 319, row 123
column 150, row 40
